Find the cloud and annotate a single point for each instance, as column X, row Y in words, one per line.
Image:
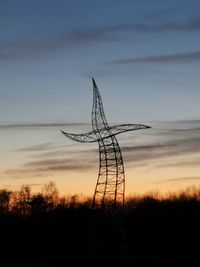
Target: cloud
column 55, row 164
column 40, row 147
column 50, row 166
column 51, row 154
column 68, row 152
column 38, row 125
column 187, row 57
column 170, row 144
column 192, row 162
column 175, row 146
column 82, row 37
column 170, row 26
column 179, row 179
column 98, row 34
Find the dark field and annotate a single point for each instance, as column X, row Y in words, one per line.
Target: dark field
column 45, row 230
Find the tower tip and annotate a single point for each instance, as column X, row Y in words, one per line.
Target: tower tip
column 94, row 83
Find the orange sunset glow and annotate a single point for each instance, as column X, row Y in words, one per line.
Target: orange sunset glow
column 164, row 158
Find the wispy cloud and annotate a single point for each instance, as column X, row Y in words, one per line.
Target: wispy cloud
column 98, row 34
column 38, row 125
column 51, row 154
column 190, row 25
column 191, row 162
column 82, row 37
column 51, row 166
column 112, row 32
column 39, row 147
column 169, row 145
column 187, row 57
column 179, row 179
column 175, row 146
column 56, row 165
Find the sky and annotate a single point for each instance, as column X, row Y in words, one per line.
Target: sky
column 144, row 56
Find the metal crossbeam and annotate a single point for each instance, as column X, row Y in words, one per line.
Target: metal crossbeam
column 110, row 186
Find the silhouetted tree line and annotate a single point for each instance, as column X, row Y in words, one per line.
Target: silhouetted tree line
column 46, row 229
column 25, row 203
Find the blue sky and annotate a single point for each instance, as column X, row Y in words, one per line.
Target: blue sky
column 144, row 56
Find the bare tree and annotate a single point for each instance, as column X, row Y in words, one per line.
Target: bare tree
column 21, row 200
column 5, row 196
column 50, row 192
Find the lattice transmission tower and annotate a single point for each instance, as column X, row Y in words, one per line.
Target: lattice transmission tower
column 110, row 186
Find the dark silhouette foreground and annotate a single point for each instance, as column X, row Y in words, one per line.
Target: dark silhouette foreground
column 46, row 230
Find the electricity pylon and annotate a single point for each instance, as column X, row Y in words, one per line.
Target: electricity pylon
column 110, row 186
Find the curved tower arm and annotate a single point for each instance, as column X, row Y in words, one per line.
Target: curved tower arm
column 91, row 137
column 122, row 128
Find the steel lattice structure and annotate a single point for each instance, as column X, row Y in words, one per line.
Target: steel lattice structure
column 110, row 186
